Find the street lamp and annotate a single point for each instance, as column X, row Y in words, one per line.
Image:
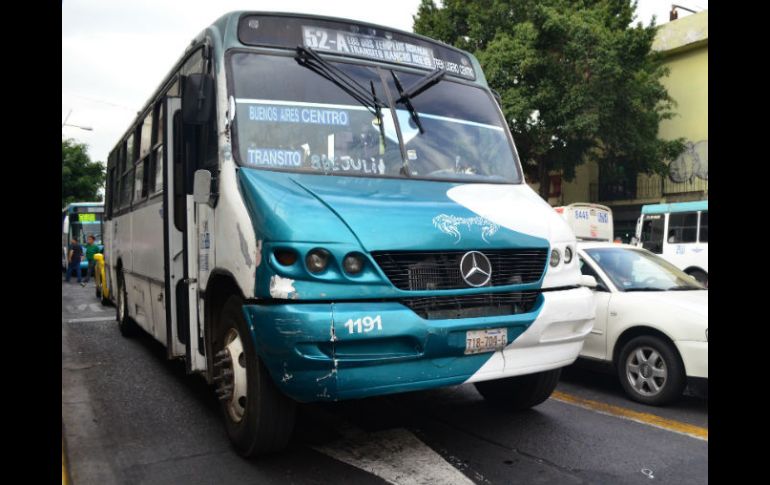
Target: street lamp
column 64, row 123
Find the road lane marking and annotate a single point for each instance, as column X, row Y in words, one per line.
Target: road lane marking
column 64, row 474
column 395, row 455
column 90, row 319
column 94, row 307
column 690, row 430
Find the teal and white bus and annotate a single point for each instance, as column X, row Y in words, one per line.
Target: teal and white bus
column 317, row 209
column 78, row 220
column 679, row 232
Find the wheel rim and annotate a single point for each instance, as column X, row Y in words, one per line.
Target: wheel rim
column 233, row 386
column 646, row 371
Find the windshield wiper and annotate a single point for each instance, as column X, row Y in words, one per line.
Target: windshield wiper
column 645, row 288
column 684, row 288
column 405, row 96
column 308, row 58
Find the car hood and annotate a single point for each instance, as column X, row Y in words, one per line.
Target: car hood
column 398, row 214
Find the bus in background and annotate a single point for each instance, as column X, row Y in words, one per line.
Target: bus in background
column 79, row 219
column 589, row 222
column 679, row 233
column 317, row 209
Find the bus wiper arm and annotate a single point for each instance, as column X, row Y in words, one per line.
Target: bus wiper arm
column 308, row 58
column 404, row 98
column 422, row 85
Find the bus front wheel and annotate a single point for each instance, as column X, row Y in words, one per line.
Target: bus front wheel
column 520, row 392
column 258, row 417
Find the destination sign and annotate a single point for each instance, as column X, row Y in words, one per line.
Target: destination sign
column 353, row 40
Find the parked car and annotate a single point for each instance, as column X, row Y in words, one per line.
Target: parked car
column 651, row 322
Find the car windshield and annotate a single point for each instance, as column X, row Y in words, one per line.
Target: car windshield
column 639, row 270
column 289, row 117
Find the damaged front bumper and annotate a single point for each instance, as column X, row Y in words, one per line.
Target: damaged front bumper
column 335, row 351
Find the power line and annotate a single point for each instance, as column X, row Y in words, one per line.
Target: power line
column 102, row 102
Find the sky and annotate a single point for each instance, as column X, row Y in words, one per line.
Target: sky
column 115, row 53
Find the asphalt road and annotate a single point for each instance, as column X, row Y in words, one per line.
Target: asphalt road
column 131, row 416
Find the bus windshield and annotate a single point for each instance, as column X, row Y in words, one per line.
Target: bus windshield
column 289, row 117
column 81, row 230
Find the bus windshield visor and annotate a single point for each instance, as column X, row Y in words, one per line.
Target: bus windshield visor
column 288, row 117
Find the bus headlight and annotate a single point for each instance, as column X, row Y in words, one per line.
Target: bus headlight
column 353, row 263
column 317, row 260
column 555, row 257
column 567, row 255
column 286, row 257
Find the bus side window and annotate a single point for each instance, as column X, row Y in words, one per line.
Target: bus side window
column 156, row 177
column 683, row 227
column 652, row 234
column 139, row 189
column 704, row 227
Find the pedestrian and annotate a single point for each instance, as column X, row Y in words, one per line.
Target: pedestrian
column 91, row 250
column 73, row 260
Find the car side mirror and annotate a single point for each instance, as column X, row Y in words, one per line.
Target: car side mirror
column 202, row 186
column 588, row 281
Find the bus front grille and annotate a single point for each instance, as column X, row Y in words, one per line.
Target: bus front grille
column 472, row 306
column 441, row 270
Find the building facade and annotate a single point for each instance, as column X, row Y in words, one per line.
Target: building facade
column 684, row 45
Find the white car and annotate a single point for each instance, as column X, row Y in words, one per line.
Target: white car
column 651, row 321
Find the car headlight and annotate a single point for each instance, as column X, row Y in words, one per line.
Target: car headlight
column 567, row 255
column 555, row 257
column 317, row 260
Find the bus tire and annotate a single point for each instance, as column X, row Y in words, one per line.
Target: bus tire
column 520, row 392
column 259, row 418
column 639, row 361
column 126, row 324
column 701, row 276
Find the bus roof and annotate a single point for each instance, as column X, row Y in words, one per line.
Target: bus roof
column 699, row 205
column 225, row 35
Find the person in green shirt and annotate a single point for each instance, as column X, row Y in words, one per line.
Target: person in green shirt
column 91, row 249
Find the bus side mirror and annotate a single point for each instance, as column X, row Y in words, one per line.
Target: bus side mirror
column 197, row 99
column 202, row 187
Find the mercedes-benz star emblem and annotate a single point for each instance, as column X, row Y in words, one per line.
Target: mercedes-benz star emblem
column 475, row 268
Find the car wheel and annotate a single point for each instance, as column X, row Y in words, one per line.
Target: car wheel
column 520, row 392
column 258, row 417
column 126, row 325
column 701, row 276
column 651, row 371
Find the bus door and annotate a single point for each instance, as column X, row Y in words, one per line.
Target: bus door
column 180, row 268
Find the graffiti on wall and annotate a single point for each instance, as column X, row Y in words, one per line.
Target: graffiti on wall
column 693, row 162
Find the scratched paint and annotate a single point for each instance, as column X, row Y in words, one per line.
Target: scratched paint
column 244, row 247
column 282, row 288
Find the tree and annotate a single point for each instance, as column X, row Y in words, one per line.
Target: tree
column 81, row 178
column 577, row 80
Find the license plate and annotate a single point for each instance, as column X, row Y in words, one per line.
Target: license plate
column 478, row 341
